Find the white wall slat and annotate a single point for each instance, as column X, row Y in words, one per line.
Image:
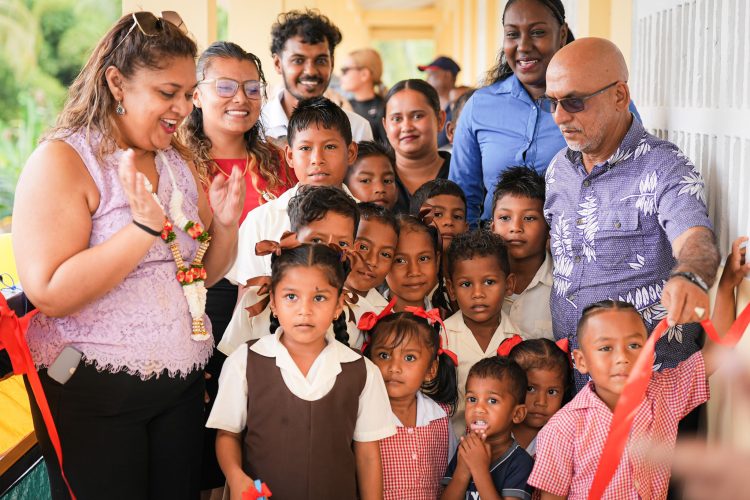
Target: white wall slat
column 691, row 83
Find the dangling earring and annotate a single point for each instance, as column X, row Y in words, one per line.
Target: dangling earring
column 119, row 109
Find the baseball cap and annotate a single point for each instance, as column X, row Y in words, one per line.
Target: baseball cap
column 442, row 62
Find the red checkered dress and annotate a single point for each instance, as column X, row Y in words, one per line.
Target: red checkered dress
column 415, row 460
column 569, row 446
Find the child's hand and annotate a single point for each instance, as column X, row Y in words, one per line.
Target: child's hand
column 737, row 265
column 475, row 453
column 238, row 485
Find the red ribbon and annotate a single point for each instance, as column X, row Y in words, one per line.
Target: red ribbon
column 564, row 345
column 12, row 339
column 252, row 493
column 634, row 393
column 508, row 344
column 369, row 319
column 433, row 316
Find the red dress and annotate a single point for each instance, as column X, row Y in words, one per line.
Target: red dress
column 415, row 459
column 257, row 192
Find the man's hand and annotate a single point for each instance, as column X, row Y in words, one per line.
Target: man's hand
column 683, row 301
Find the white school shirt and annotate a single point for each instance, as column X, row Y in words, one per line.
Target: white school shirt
column 242, row 327
column 229, row 413
column 530, row 310
column 427, row 411
column 267, row 222
column 460, row 340
column 372, row 302
column 275, row 121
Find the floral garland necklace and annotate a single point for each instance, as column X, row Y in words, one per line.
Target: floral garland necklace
column 192, row 277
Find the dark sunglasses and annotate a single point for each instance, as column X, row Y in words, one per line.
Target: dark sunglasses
column 150, row 25
column 570, row 104
column 226, row 87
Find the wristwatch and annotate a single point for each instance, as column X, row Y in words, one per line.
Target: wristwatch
column 691, row 277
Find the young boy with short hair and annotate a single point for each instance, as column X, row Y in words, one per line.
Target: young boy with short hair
column 372, row 177
column 611, row 335
column 320, row 150
column 518, row 217
column 318, row 214
column 376, row 242
column 478, row 278
column 448, row 202
column 489, row 462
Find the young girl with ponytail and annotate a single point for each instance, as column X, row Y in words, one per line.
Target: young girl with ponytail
column 299, row 410
column 420, row 377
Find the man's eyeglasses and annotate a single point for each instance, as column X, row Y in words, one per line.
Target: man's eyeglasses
column 226, row 87
column 346, row 69
column 570, row 104
column 150, row 25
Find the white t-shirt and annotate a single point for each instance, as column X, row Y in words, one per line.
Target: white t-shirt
column 529, row 310
column 374, row 417
column 460, row 340
column 275, row 121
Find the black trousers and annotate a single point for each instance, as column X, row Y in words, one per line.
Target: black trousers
column 219, row 307
column 123, row 437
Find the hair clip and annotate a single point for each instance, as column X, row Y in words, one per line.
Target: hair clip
column 508, row 344
column 288, row 241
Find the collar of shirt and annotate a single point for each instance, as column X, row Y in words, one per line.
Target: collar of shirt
column 427, row 300
column 323, row 371
column 273, row 117
column 632, row 140
column 375, row 299
column 427, row 411
column 543, row 274
column 457, row 332
column 513, row 86
column 588, row 399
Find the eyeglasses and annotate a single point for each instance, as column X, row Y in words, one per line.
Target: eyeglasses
column 226, row 87
column 346, row 69
column 569, row 104
column 150, row 25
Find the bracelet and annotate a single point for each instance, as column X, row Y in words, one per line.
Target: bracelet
column 692, row 278
column 152, row 232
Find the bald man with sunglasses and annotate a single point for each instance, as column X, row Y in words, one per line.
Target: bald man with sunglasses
column 626, row 210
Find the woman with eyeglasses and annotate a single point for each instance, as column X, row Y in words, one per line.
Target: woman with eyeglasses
column 361, row 74
column 115, row 242
column 225, row 134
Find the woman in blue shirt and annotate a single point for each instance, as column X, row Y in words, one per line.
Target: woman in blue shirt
column 501, row 125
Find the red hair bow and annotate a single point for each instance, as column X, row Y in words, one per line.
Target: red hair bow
column 508, row 344
column 564, row 345
column 433, row 316
column 369, row 319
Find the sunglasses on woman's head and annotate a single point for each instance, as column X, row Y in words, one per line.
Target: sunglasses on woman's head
column 570, row 104
column 150, row 25
column 226, row 87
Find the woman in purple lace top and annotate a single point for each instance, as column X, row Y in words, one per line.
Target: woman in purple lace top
column 90, row 207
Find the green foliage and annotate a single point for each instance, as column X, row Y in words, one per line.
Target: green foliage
column 43, row 46
column 403, row 57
